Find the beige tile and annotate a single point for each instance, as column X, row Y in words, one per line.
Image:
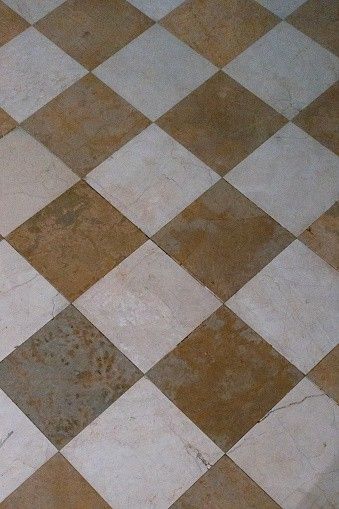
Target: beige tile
column 326, row 374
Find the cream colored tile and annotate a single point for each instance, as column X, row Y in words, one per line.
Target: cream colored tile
column 32, row 10
column 156, row 9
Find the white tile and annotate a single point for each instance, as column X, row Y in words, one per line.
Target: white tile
column 33, row 71
column 32, row 10
column 155, row 71
column 291, row 176
column 147, row 305
column 144, row 452
column 292, row 453
column 156, row 9
column 151, row 179
column 30, row 178
column 23, row 448
column 281, row 8
column 27, row 300
column 293, row 303
column 286, row 69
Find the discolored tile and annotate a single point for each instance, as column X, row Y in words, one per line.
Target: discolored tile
column 7, row 123
column 92, row 30
column 223, row 239
column 10, row 24
column 219, row 29
column 326, row 374
column 221, row 122
column 76, row 239
column 32, row 10
column 156, row 9
column 85, row 124
column 281, row 8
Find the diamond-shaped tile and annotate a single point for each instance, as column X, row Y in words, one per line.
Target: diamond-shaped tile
column 286, row 69
column 156, row 9
column 281, row 7
column 32, row 10
column 151, row 179
column 326, row 374
column 155, row 71
column 10, row 24
column 7, row 123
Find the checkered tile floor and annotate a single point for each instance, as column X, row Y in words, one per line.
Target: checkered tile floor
column 169, row 304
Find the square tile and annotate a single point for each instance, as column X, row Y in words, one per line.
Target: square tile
column 286, row 69
column 147, row 305
column 151, row 179
column 223, row 239
column 67, row 374
column 33, row 71
column 291, row 452
column 27, row 300
column 155, row 71
column 293, row 304
column 281, row 7
column 326, row 374
column 219, row 29
column 85, row 124
column 92, row 30
column 291, row 176
column 224, row 377
column 31, row 177
column 23, row 447
column 32, row 10
column 221, row 123
column 156, row 9
column 7, row 123
column 10, row 24
column 143, row 433
column 76, row 240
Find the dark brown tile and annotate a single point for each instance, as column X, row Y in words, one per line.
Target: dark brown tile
column 11, row 24
column 326, row 374
column 7, row 123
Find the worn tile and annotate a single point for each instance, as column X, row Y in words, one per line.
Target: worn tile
column 155, row 71
column 286, row 69
column 85, row 124
column 291, row 176
column 326, row 374
column 223, row 239
column 291, row 453
column 169, row 452
column 156, row 9
column 102, row 27
column 33, row 72
column 151, row 179
column 281, row 7
column 10, row 24
column 76, row 240
column 7, row 123
column 32, row 10
column 219, row 29
column 31, row 177
column 221, row 123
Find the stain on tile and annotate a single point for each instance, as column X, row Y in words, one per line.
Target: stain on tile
column 7, row 123
column 326, row 374
column 11, row 24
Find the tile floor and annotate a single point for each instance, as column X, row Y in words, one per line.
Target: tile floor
column 169, row 254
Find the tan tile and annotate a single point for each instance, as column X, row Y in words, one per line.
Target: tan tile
column 223, row 239
column 11, row 24
column 326, row 374
column 76, row 240
column 221, row 122
column 85, row 124
column 7, row 123
column 92, row 30
column 224, row 377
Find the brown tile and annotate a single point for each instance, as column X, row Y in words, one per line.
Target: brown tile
column 85, row 124
column 93, row 30
column 221, row 122
column 11, row 24
column 219, row 29
column 7, row 123
column 320, row 118
column 326, row 374
column 66, row 375
column 223, row 239
column 76, row 240
column 56, row 485
column 320, row 21
column 224, row 377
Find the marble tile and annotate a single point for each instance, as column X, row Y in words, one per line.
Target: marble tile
column 27, row 300
column 156, row 9
column 7, row 123
column 23, row 447
column 219, row 29
column 291, row 176
column 291, row 453
column 147, row 305
column 281, row 8
column 293, row 304
column 151, row 179
column 223, row 239
column 224, row 377
column 76, row 240
column 31, row 177
column 286, row 69
column 67, row 374
column 326, row 374
column 33, row 72
column 10, row 24
column 32, row 10
column 143, row 433
column 221, row 123
column 155, row 71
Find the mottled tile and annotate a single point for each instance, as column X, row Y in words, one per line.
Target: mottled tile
column 156, row 9
column 32, row 10
column 281, row 7
column 151, row 179
column 85, row 124
column 155, row 71
column 169, row 452
column 76, row 240
column 221, row 123
column 292, row 452
column 219, row 29
column 10, row 24
column 326, row 374
column 7, row 123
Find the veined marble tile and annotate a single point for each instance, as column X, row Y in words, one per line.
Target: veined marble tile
column 281, row 7
column 32, row 10
column 156, row 9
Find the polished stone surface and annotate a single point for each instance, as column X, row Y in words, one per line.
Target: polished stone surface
column 32, row 10
column 156, row 9
column 11, row 24
column 326, row 374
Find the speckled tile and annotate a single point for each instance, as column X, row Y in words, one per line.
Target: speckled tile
column 156, row 9
column 11, row 24
column 7, row 123
column 32, row 10
column 326, row 374
column 281, row 8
